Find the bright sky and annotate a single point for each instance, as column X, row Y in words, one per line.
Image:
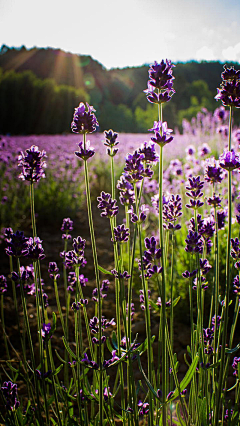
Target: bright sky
column 120, row 33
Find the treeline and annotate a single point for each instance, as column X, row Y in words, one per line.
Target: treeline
column 39, row 89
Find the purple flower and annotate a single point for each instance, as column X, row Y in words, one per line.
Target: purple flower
column 148, row 150
column 208, row 338
column 213, row 173
column 127, row 196
column 3, row 284
column 67, row 225
column 9, row 391
column 229, row 160
column 35, row 249
column 194, row 189
column 111, row 142
column 229, row 93
column 32, row 164
column 121, row 234
column 214, row 201
column 107, row 205
column 194, row 243
column 160, row 78
column 235, row 363
column 236, row 286
column 143, row 408
column 204, row 150
column 84, row 119
column 46, row 332
column 171, row 211
column 162, row 133
column 91, row 363
column 17, row 244
column 121, row 276
column 53, row 271
column 85, row 152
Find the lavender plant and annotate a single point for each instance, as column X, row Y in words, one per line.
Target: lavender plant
column 79, row 365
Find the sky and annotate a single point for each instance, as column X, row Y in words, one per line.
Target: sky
column 126, row 32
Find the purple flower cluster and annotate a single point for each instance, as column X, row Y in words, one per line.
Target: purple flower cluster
column 111, row 142
column 229, row 93
column 53, row 271
column 162, row 133
column 150, row 256
column 194, row 189
column 213, row 172
column 67, row 226
column 103, row 291
column 121, row 234
column 134, row 168
column 236, row 361
column 171, row 211
column 75, row 258
column 127, row 196
column 84, row 119
column 9, row 391
column 107, row 205
column 32, row 164
column 3, row 284
column 20, row 246
column 229, row 160
column 160, row 84
column 85, row 152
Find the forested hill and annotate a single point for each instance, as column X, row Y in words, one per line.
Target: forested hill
column 42, row 86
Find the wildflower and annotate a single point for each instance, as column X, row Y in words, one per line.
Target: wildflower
column 143, row 408
column 67, row 226
column 46, row 332
column 91, row 363
column 220, row 114
column 229, row 160
column 190, row 150
column 162, row 133
column 229, row 93
column 84, row 119
column 160, row 78
column 32, row 164
column 142, row 299
column 204, row 150
column 17, row 244
column 235, row 363
column 121, row 275
column 194, row 189
column 103, row 291
column 194, row 242
column 171, row 211
column 85, row 152
column 127, row 196
column 150, row 155
column 213, row 172
column 35, row 249
column 121, row 234
column 107, row 205
column 9, row 391
column 208, row 338
column 111, row 142
column 53, row 271
column 214, row 201
column 3, row 284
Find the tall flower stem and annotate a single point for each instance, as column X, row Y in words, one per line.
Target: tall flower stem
column 95, row 260
column 4, row 329
column 227, row 288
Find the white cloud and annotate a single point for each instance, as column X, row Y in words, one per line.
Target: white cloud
column 232, row 53
column 205, row 53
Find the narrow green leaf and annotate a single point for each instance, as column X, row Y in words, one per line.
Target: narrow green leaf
column 104, row 271
column 182, row 422
column 68, row 348
column 110, row 348
column 186, row 380
column 175, row 302
column 50, row 400
column 231, row 351
column 146, row 379
column 57, row 370
column 114, row 340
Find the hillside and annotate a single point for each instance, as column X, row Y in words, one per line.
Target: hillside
column 61, row 80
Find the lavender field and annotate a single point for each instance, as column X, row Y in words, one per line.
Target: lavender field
column 142, row 243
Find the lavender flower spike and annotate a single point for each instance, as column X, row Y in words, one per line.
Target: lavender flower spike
column 162, row 133
column 229, row 160
column 107, row 205
column 32, row 164
column 84, row 119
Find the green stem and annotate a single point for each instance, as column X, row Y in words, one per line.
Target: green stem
column 95, row 260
